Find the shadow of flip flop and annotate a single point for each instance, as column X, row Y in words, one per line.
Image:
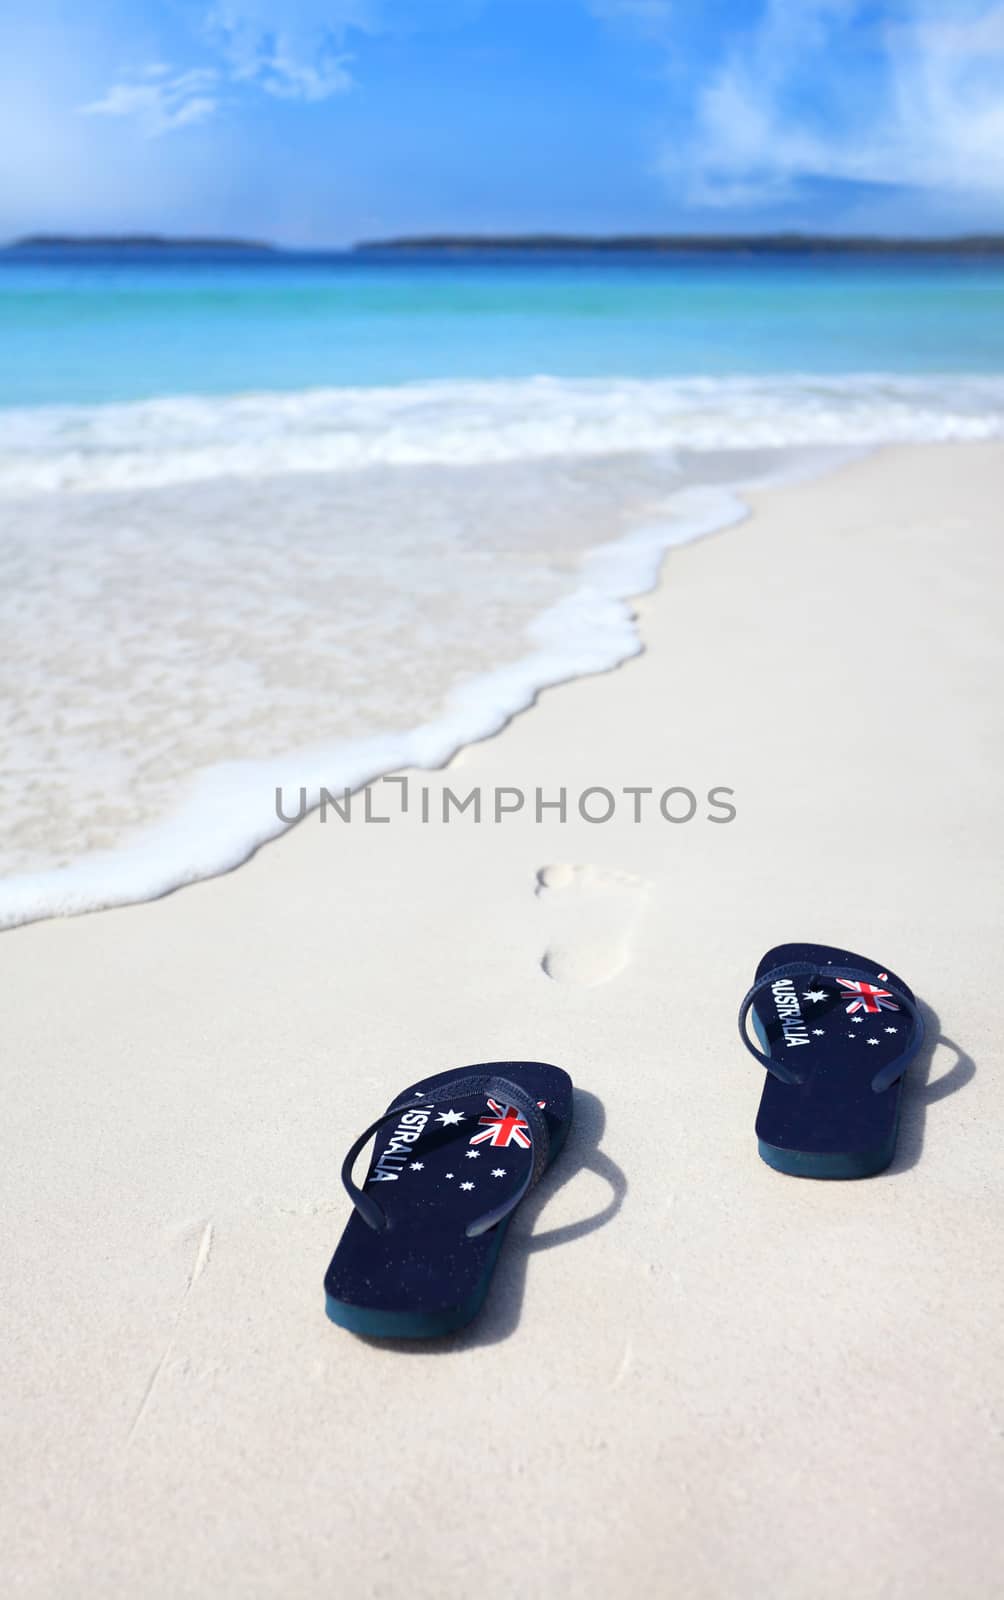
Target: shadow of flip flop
column 919, row 1092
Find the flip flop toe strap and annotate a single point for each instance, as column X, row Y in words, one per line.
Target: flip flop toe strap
column 887, row 1075
column 493, row 1087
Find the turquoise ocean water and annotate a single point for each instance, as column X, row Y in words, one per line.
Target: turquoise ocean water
column 302, row 520
column 87, row 329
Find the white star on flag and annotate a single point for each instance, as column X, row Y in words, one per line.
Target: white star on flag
column 857, row 1019
column 449, row 1174
column 472, row 1155
column 449, row 1118
column 891, row 1030
column 819, row 1030
column 417, row 1166
column 816, row 995
column 467, row 1186
column 873, row 1041
column 498, row 1172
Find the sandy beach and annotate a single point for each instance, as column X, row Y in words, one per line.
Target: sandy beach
column 693, row 1376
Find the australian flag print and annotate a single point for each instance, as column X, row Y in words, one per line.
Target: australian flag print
column 476, row 1148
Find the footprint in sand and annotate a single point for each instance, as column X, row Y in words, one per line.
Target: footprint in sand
column 593, row 914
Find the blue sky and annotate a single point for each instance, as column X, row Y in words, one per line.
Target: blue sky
column 318, row 122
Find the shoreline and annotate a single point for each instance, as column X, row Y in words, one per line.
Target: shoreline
column 593, row 629
column 674, row 1331
column 224, row 812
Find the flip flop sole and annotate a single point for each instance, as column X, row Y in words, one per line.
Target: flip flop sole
column 377, row 1324
column 810, row 1164
column 838, row 1035
column 825, row 1164
column 423, row 1275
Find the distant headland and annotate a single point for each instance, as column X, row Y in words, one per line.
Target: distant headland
column 135, row 241
column 688, row 244
column 449, row 244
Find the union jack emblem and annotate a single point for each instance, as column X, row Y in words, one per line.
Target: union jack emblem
column 505, row 1127
column 866, row 997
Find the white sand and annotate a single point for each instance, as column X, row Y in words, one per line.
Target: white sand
column 727, row 1383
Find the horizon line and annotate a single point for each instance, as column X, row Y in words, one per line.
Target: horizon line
column 784, row 240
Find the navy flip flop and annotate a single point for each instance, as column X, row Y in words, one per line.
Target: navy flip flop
column 458, row 1153
column 837, row 1032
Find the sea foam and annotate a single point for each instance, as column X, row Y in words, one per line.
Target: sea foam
column 165, row 441
column 210, row 599
column 227, row 810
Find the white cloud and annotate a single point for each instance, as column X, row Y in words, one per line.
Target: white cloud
column 160, row 101
column 294, row 50
column 290, row 49
column 287, row 78
column 817, row 91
